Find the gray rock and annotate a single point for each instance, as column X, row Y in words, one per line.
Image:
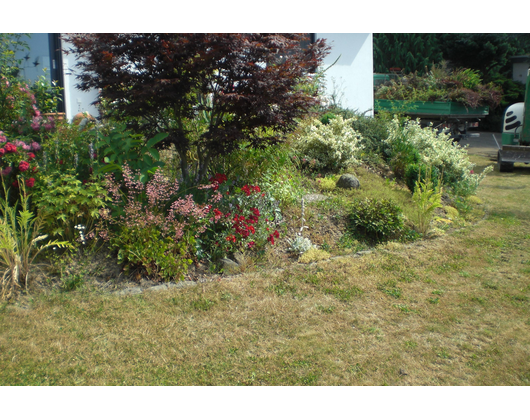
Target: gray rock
column 230, row 266
column 348, row 181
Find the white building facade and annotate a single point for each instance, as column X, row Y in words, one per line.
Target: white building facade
column 350, row 80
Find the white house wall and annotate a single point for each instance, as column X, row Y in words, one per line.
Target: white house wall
column 351, row 78
column 75, row 100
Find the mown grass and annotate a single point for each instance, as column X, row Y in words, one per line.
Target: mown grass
column 454, row 310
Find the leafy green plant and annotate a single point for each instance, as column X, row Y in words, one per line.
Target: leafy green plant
column 420, row 172
column 327, row 183
column 66, row 202
column 272, row 167
column 160, row 256
column 427, row 198
column 47, row 94
column 20, row 234
column 121, row 146
column 401, row 155
column 377, row 220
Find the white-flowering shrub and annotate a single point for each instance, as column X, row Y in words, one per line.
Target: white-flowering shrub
column 332, row 145
column 438, row 150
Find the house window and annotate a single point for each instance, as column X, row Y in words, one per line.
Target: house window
column 42, row 58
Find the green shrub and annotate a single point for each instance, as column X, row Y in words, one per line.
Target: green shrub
column 377, row 220
column 159, row 255
column 420, row 172
column 373, row 131
column 400, row 153
column 327, row 117
column 272, row 167
column 66, row 202
column 122, row 146
column 327, row 184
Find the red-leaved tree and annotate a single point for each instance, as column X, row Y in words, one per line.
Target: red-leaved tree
column 245, row 87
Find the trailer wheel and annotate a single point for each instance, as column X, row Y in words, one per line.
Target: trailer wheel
column 504, row 166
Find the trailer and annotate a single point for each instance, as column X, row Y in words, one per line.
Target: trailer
column 453, row 117
column 515, row 145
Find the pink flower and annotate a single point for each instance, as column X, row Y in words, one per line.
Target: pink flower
column 36, row 123
column 2, row 152
column 30, row 182
column 23, row 166
column 7, row 171
column 31, row 156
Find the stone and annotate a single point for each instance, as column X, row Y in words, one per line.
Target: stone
column 229, row 266
column 348, row 181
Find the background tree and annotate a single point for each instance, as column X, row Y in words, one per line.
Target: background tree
column 488, row 53
column 410, row 52
column 241, row 87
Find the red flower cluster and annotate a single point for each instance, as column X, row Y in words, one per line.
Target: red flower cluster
column 248, row 189
column 15, row 158
column 217, row 180
column 10, row 148
column 23, row 166
column 271, row 237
